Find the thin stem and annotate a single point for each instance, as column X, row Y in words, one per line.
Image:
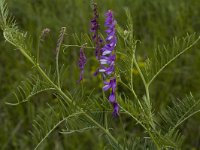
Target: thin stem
column 142, row 77
column 147, row 91
column 106, row 120
column 103, row 129
column 144, row 81
column 55, row 126
column 171, row 60
column 135, row 95
column 154, row 140
column 57, row 69
column 59, row 42
column 105, row 113
column 66, row 46
column 123, row 129
column 38, row 51
column 22, row 50
column 137, row 120
column 132, row 60
column 132, row 90
column 54, row 85
column 140, row 72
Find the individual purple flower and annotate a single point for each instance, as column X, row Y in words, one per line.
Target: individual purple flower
column 107, row 70
column 109, row 60
column 82, row 62
column 111, row 84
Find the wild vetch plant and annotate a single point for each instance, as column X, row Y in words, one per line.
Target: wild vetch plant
column 116, row 57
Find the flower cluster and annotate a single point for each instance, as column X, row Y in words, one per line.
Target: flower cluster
column 82, row 62
column 106, row 55
column 107, row 60
column 95, row 29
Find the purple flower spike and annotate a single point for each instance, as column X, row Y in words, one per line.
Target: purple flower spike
column 95, row 29
column 81, row 63
column 106, row 55
column 107, row 60
column 111, row 37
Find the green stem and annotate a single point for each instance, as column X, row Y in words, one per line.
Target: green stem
column 140, row 73
column 154, row 140
column 66, row 46
column 135, row 95
column 54, row 85
column 103, row 129
column 59, row 42
column 38, row 51
column 131, row 73
column 132, row 90
column 171, row 60
column 138, row 121
column 147, row 92
column 57, row 68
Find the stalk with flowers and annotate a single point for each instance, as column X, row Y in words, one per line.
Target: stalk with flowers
column 82, row 113
column 106, row 55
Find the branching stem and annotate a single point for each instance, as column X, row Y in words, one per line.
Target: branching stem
column 40, row 70
column 171, row 60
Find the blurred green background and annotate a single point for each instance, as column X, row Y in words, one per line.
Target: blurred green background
column 155, row 22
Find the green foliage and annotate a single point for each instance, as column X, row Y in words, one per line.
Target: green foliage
column 180, row 112
column 28, row 88
column 142, row 112
column 44, row 124
column 75, row 111
column 165, row 55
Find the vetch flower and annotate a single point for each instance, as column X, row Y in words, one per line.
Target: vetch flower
column 107, row 61
column 82, row 62
column 112, row 84
column 106, row 55
column 108, row 58
column 107, row 70
column 107, row 49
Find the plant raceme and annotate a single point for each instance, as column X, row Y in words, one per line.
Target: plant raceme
column 106, row 55
column 81, row 113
